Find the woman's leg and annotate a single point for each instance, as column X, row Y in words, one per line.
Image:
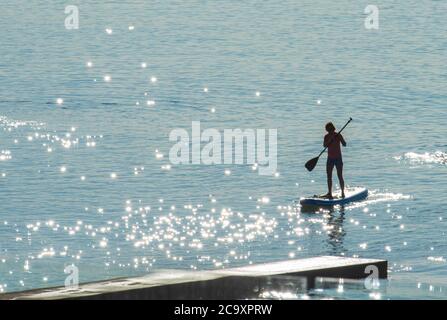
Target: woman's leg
column 329, row 168
column 340, row 178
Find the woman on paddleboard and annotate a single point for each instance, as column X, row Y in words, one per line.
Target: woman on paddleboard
column 333, row 140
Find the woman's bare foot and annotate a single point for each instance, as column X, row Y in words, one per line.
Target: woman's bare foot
column 327, row 196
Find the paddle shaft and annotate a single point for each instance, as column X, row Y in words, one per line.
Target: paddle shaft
column 332, row 140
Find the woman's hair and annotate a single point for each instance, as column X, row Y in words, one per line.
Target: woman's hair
column 330, row 127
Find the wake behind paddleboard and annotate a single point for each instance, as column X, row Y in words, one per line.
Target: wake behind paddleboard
column 351, row 195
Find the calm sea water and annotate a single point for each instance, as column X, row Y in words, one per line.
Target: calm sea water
column 88, row 182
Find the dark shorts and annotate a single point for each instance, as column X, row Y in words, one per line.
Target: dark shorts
column 335, row 162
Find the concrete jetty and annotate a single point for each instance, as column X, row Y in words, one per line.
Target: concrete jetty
column 235, row 283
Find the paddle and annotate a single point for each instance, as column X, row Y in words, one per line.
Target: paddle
column 310, row 165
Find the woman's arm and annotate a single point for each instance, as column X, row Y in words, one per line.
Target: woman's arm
column 342, row 140
column 326, row 141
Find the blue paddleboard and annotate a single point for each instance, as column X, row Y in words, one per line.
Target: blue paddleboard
column 351, row 195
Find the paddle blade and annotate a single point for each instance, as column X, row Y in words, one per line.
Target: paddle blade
column 310, row 165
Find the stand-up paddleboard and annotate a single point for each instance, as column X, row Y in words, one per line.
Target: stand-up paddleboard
column 351, row 195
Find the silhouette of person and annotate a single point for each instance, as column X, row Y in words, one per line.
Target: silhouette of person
column 333, row 141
